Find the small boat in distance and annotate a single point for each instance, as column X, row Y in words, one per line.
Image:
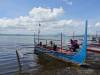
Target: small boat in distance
column 61, row 54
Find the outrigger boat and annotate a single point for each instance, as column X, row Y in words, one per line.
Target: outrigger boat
column 77, row 58
column 94, row 45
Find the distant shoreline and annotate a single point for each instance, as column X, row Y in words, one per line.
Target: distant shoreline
column 16, row 35
column 41, row 35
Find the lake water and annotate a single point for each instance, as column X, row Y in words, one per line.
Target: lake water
column 30, row 63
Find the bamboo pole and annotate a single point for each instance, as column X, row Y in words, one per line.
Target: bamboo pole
column 61, row 42
column 34, row 39
column 46, row 42
column 73, row 35
column 39, row 33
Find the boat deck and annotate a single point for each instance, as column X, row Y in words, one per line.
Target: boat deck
column 68, row 51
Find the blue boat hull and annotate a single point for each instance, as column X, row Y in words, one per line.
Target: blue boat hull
column 76, row 58
column 45, row 55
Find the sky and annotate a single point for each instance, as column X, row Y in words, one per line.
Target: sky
column 55, row 16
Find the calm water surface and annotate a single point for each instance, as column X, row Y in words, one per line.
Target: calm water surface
column 30, row 63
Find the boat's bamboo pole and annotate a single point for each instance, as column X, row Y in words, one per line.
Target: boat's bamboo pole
column 96, row 34
column 46, row 42
column 61, row 41
column 39, row 33
column 34, row 39
column 73, row 35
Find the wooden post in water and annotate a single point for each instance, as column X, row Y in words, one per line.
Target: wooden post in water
column 61, row 42
column 18, row 60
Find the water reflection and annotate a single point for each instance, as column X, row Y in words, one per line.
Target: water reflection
column 43, row 67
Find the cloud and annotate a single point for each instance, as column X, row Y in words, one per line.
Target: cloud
column 30, row 21
column 97, row 24
column 67, row 22
column 49, row 19
column 45, row 13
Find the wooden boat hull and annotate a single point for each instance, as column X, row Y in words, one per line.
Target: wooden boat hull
column 50, row 58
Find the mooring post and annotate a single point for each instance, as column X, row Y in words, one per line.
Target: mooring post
column 18, row 60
